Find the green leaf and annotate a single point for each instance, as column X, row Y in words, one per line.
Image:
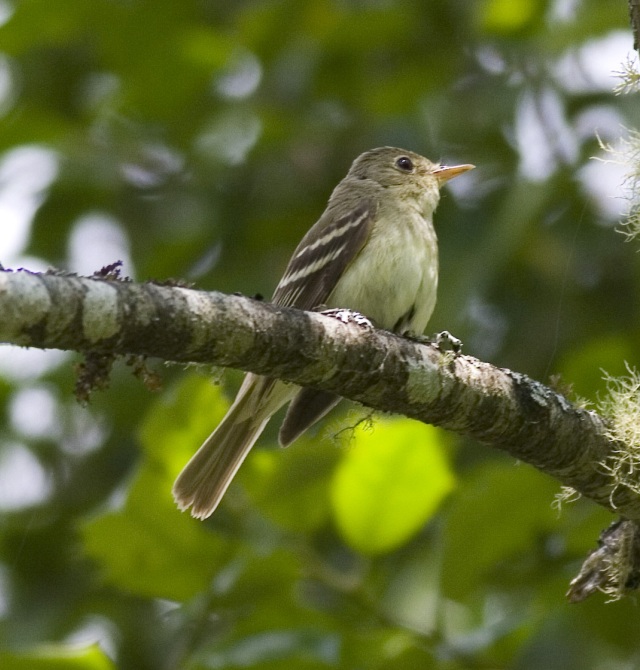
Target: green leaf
column 57, row 658
column 151, row 549
column 390, row 484
column 507, row 16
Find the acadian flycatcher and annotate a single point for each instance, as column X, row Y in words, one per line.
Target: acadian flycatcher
column 374, row 251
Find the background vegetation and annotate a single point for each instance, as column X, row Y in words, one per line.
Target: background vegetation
column 198, row 139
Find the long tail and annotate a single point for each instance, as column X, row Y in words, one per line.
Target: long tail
column 206, row 477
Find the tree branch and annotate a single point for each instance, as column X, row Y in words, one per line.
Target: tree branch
column 499, row 407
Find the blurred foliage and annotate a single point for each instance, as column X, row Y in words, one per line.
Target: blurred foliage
column 52, row 658
column 199, row 140
column 388, row 487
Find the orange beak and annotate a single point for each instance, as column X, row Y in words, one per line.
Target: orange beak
column 444, row 173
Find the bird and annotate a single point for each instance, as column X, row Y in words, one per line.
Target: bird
column 373, row 251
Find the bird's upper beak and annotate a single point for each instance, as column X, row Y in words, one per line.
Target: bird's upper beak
column 444, row 173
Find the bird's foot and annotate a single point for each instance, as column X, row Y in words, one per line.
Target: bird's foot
column 348, row 316
column 445, row 341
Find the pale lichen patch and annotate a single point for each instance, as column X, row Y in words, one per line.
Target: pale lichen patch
column 30, row 306
column 423, row 382
column 100, row 311
column 199, row 306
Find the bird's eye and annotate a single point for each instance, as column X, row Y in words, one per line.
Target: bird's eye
column 405, row 164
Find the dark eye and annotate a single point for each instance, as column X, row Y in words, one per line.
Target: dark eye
column 405, row 164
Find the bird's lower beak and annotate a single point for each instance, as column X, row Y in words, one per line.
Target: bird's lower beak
column 446, row 172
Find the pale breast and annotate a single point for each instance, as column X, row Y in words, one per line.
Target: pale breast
column 394, row 279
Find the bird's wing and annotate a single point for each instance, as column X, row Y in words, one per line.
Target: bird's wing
column 312, row 274
column 321, row 258
column 308, row 407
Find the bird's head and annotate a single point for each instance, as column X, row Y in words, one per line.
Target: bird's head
column 410, row 175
